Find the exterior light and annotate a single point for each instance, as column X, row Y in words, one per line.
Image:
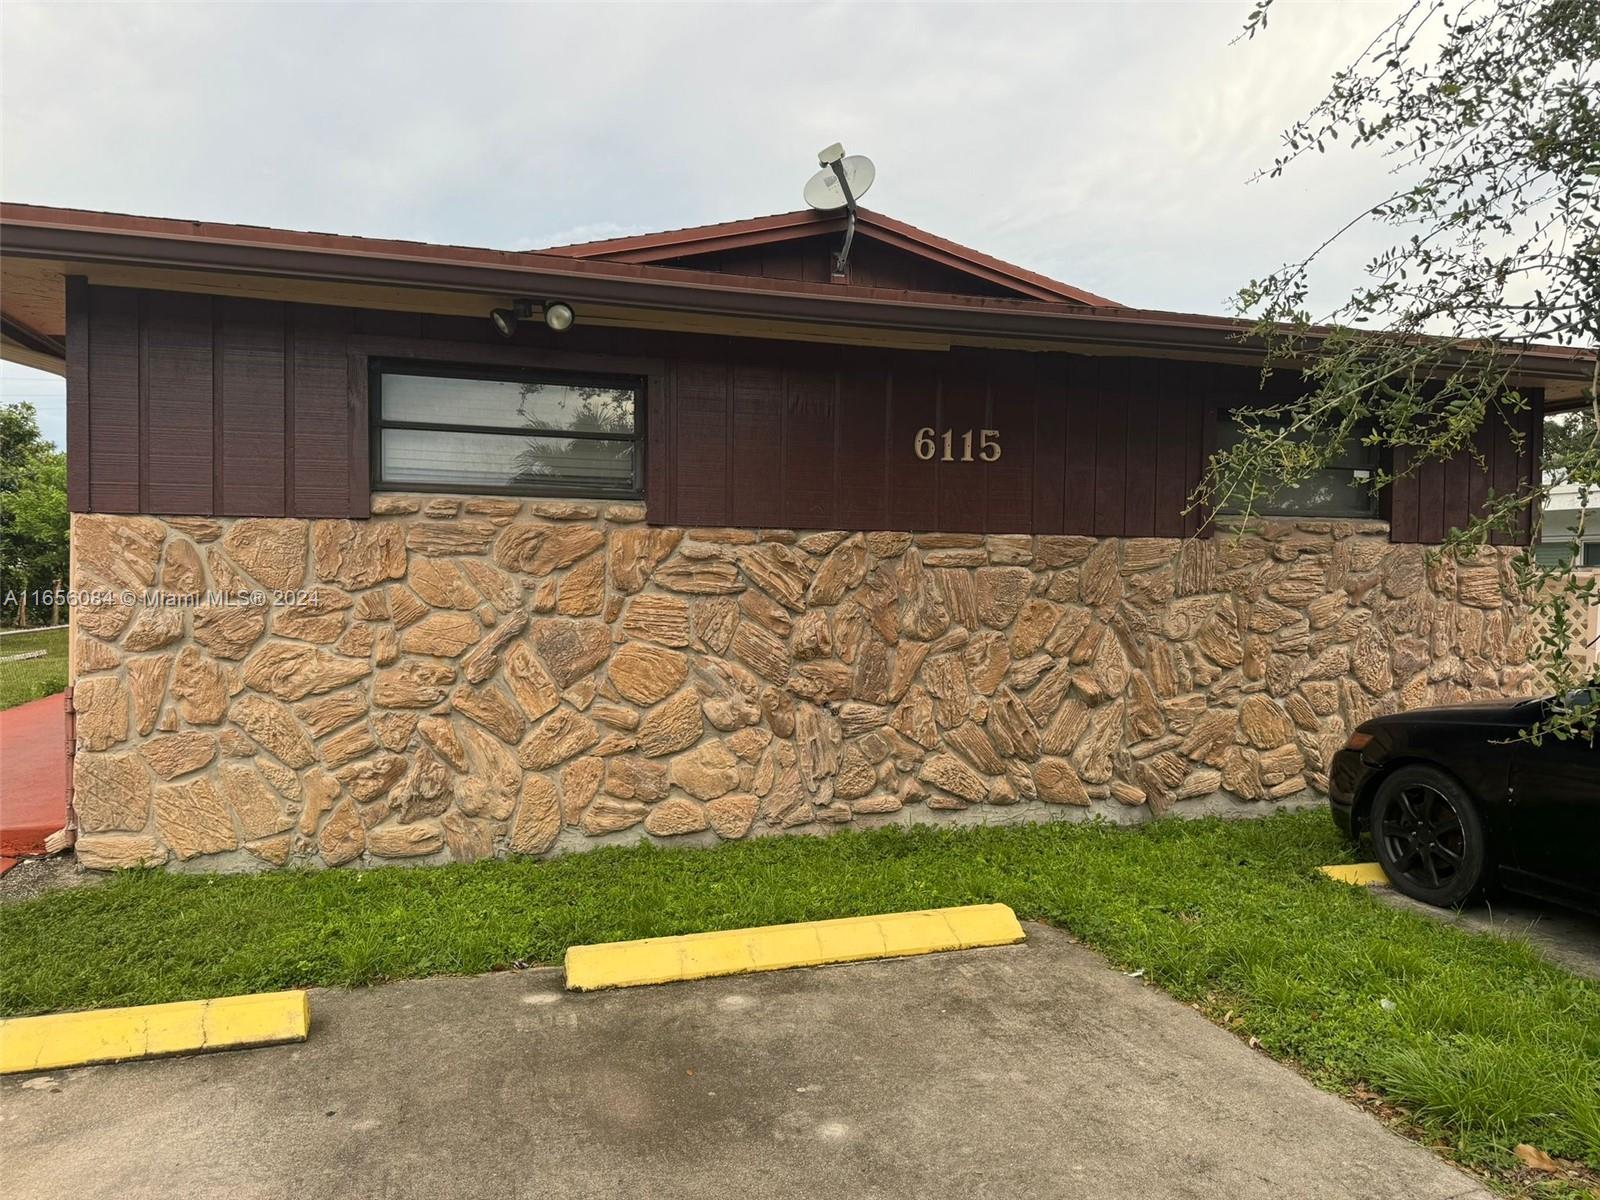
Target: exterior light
column 556, row 315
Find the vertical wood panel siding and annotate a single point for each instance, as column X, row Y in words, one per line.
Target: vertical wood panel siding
column 176, row 363
column 1014, row 404
column 913, row 493
column 185, row 404
column 1139, row 396
column 251, row 419
column 1049, row 447
column 1425, row 503
column 1108, row 450
column 872, row 264
column 322, row 459
column 701, row 429
column 864, row 430
column 755, row 398
column 1109, row 447
column 963, row 408
column 188, row 404
column 113, row 460
column 78, row 499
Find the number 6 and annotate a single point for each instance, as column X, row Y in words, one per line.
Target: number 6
column 924, row 445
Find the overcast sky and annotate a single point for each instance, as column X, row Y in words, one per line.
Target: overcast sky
column 1110, row 145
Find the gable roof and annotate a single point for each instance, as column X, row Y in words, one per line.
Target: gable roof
column 674, row 244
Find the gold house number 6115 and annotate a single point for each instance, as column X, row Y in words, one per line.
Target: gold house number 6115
column 928, row 441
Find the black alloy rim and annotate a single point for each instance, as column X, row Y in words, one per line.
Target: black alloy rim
column 1424, row 837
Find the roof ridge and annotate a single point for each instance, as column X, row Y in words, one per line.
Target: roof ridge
column 596, row 244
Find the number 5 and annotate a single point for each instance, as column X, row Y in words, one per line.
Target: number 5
column 923, row 445
column 989, row 440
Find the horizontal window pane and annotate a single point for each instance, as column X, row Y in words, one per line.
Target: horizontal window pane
column 1328, row 493
column 579, row 407
column 1552, row 554
column 1340, row 490
column 424, row 456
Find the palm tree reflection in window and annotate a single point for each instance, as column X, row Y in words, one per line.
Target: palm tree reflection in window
column 552, row 408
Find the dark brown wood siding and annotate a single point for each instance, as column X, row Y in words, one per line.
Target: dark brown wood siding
column 1428, row 500
column 872, row 264
column 1096, row 446
column 250, row 441
column 188, row 404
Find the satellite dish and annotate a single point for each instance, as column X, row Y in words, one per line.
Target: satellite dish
column 823, row 191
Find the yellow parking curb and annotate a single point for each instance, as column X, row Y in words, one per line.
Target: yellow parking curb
column 1357, row 873
column 76, row 1039
column 775, row 947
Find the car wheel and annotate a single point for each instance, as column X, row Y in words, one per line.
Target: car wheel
column 1428, row 836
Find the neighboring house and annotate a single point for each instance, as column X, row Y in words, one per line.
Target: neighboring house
column 748, row 547
column 1558, row 528
column 1569, row 532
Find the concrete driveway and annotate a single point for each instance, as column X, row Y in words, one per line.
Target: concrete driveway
column 1031, row 1070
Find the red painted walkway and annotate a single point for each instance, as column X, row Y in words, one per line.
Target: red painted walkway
column 33, row 775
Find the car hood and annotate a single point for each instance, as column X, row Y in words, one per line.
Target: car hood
column 1477, row 712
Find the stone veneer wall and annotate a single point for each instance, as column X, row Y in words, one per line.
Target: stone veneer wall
column 488, row 676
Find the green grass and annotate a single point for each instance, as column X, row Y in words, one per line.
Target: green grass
column 24, row 681
column 1483, row 1042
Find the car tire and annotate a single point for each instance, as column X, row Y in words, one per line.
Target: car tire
column 1429, row 837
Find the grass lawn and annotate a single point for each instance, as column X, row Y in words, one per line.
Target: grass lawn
column 37, row 677
column 1479, row 1041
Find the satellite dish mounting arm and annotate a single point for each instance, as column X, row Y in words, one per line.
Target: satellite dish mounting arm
column 833, row 157
column 842, row 259
column 845, row 179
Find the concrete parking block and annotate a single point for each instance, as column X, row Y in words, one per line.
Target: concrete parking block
column 778, row 947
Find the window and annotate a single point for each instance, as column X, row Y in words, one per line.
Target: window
column 544, row 433
column 1556, row 551
column 1338, row 490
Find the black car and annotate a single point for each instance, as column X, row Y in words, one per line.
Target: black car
column 1457, row 801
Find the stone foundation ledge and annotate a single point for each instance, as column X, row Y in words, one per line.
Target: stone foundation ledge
column 461, row 677
column 573, row 840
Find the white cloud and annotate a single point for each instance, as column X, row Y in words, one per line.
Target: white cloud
column 47, row 393
column 1105, row 144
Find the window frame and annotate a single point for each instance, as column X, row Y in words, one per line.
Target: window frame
column 638, row 384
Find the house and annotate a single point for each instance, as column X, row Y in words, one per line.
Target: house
column 1560, row 539
column 384, row 550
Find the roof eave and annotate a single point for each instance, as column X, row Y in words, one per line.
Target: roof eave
column 352, row 260
column 650, row 287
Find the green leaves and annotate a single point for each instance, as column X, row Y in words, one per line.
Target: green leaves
column 1488, row 112
column 33, row 508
